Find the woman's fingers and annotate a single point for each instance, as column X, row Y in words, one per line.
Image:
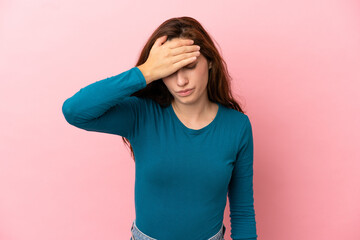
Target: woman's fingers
column 184, row 56
column 178, row 42
column 184, row 49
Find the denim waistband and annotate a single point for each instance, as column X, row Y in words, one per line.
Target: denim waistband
column 139, row 235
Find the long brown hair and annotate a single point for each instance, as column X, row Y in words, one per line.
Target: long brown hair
column 218, row 88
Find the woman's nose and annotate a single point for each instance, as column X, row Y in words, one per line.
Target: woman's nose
column 181, row 78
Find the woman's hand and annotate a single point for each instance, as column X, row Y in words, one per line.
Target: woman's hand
column 166, row 58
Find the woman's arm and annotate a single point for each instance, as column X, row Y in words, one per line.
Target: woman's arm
column 106, row 105
column 241, row 199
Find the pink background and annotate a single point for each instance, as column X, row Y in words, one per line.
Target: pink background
column 295, row 67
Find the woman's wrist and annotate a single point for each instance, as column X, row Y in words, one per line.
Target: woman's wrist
column 147, row 74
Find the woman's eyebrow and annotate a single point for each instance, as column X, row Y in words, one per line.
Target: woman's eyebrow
column 190, row 64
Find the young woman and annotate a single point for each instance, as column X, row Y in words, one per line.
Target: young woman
column 191, row 140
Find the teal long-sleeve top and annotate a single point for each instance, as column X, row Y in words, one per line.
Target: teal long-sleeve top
column 182, row 175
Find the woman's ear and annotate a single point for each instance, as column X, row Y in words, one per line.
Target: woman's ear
column 210, row 65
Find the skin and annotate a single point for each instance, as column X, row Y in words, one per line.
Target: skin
column 195, row 111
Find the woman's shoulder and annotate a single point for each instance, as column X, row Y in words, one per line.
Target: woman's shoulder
column 234, row 115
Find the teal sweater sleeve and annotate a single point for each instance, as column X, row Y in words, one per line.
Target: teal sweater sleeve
column 106, row 105
column 241, row 200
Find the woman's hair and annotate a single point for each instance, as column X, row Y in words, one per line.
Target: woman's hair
column 218, row 88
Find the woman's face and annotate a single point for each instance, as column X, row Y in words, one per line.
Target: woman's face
column 192, row 76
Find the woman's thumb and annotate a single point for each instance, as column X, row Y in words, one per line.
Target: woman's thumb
column 160, row 40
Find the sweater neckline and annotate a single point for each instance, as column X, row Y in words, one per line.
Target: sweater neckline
column 196, row 131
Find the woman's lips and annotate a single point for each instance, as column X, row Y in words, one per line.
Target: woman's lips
column 183, row 94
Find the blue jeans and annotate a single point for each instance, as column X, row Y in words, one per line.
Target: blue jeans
column 138, row 235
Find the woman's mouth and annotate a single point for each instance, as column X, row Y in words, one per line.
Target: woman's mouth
column 183, row 94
